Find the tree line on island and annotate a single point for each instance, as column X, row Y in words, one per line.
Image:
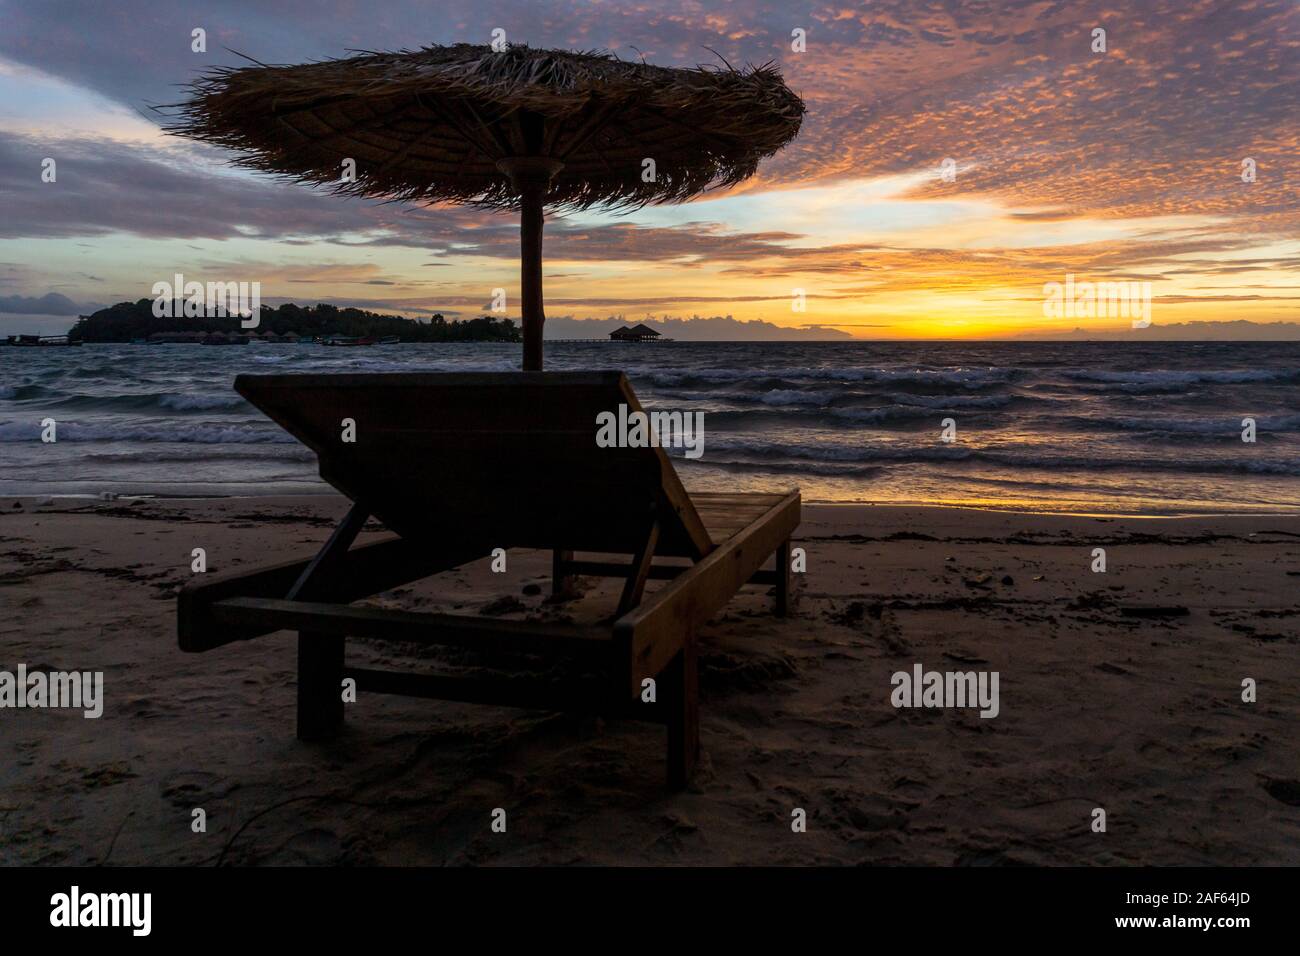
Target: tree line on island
column 135, row 321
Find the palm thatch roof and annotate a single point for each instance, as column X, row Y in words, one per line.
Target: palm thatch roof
column 432, row 124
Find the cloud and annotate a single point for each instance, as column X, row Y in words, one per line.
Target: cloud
column 1159, row 123
column 103, row 187
column 1147, row 139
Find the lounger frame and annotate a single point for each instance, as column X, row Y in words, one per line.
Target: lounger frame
column 650, row 637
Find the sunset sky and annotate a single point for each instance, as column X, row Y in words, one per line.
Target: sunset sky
column 1118, row 165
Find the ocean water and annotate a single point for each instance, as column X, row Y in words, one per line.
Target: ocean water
column 1082, row 427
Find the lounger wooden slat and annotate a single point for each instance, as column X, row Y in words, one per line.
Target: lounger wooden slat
column 709, row 498
column 592, row 696
column 414, row 428
column 368, row 569
column 478, row 633
column 458, row 465
column 658, row 572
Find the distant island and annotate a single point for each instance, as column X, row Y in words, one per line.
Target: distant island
column 135, row 322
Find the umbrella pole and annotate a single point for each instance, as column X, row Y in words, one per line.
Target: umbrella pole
column 531, row 177
column 530, row 274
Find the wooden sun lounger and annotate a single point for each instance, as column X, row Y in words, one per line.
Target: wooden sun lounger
column 458, row 465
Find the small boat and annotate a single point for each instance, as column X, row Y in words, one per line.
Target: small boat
column 390, row 340
column 347, row 340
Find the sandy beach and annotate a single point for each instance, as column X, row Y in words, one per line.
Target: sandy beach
column 1119, row 690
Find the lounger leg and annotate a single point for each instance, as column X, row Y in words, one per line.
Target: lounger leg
column 320, row 685
column 782, row 604
column 561, row 582
column 681, row 692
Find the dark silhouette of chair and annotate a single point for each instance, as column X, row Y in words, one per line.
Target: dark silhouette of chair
column 458, row 465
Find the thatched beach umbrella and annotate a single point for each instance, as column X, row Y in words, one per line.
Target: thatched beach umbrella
column 519, row 129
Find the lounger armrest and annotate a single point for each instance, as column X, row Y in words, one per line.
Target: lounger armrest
column 652, row 633
column 365, row 570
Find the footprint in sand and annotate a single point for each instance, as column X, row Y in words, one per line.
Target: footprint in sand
column 193, row 788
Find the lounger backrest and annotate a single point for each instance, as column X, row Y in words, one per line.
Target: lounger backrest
column 488, row 457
